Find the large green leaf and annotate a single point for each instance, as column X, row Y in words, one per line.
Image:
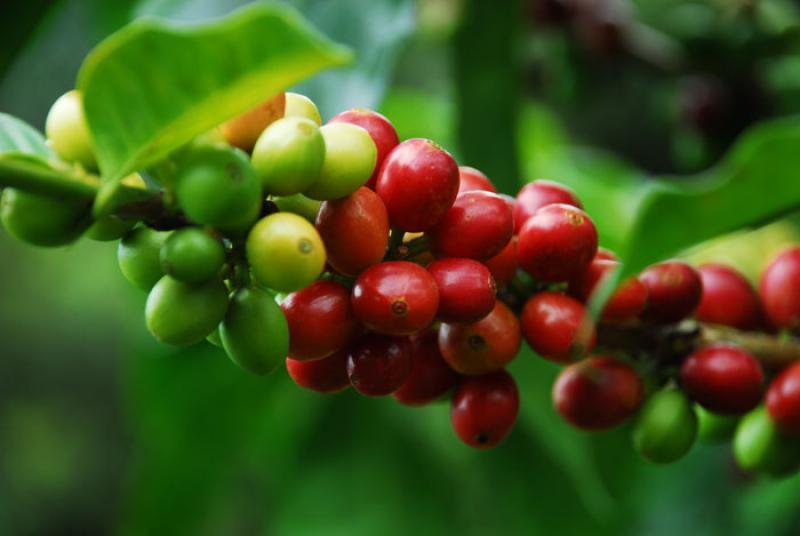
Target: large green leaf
column 154, row 85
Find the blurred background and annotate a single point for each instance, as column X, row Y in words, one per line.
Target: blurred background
column 104, row 431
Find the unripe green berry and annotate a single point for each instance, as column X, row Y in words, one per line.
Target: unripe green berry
column 185, row 313
column 301, row 106
column 714, row 428
column 68, row 132
column 666, row 427
column 285, row 252
column 109, row 228
column 759, row 446
column 255, row 333
column 350, row 157
column 217, row 186
column 192, row 255
column 300, row 205
column 41, row 220
column 288, row 156
column 138, row 256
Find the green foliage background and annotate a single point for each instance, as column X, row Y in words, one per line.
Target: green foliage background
column 102, row 430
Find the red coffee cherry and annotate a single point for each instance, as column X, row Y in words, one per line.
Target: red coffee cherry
column 783, row 400
column 320, row 319
column 419, row 183
column 355, row 230
column 327, row 375
column 395, row 298
column 557, row 243
column 597, row 393
column 483, row 346
column 674, row 290
column 477, row 226
column 484, row 409
column 780, row 293
column 503, row 266
column 723, row 379
column 472, row 179
column 377, row 365
column 557, row 327
column 628, row 300
column 728, row 298
column 466, row 289
column 379, row 129
column 430, row 376
column 538, row 194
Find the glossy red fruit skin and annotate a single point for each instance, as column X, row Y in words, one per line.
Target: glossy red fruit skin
column 557, row 327
column 674, row 289
column 472, row 179
column 605, row 254
column 626, row 303
column 321, row 320
column 379, row 128
column 783, row 400
column 538, row 194
column 418, row 182
column 728, row 298
column 430, row 376
column 466, row 289
column 483, row 346
column 723, row 379
column 597, row 393
column 327, row 375
column 557, row 243
column 780, row 293
column 484, row 409
column 503, row 266
column 355, row 231
column 377, row 365
column 478, row 226
column 395, row 298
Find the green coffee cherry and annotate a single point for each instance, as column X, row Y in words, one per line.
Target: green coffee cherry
column 301, row 106
column 300, row 205
column 666, row 427
column 109, row 228
column 288, row 156
column 255, row 333
column 185, row 313
column 217, row 186
column 285, row 252
column 192, row 255
column 214, row 338
column 350, row 156
column 41, row 220
column 67, row 131
column 759, row 446
column 138, row 256
column 715, row 428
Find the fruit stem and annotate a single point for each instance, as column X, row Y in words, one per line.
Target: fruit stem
column 669, row 344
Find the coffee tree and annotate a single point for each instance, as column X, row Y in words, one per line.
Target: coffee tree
column 359, row 260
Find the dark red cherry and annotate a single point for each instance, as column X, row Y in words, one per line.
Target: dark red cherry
column 472, row 179
column 326, row 375
column 395, row 298
column 723, row 379
column 503, row 266
column 780, row 293
column 418, row 182
column 557, row 243
column 320, row 320
column 557, row 327
column 377, row 365
column 783, row 400
column 674, row 289
column 484, row 409
column 478, row 226
column 627, row 301
column 728, row 298
column 430, row 376
column 466, row 289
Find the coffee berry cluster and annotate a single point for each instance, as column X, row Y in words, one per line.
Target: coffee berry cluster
column 359, row 261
